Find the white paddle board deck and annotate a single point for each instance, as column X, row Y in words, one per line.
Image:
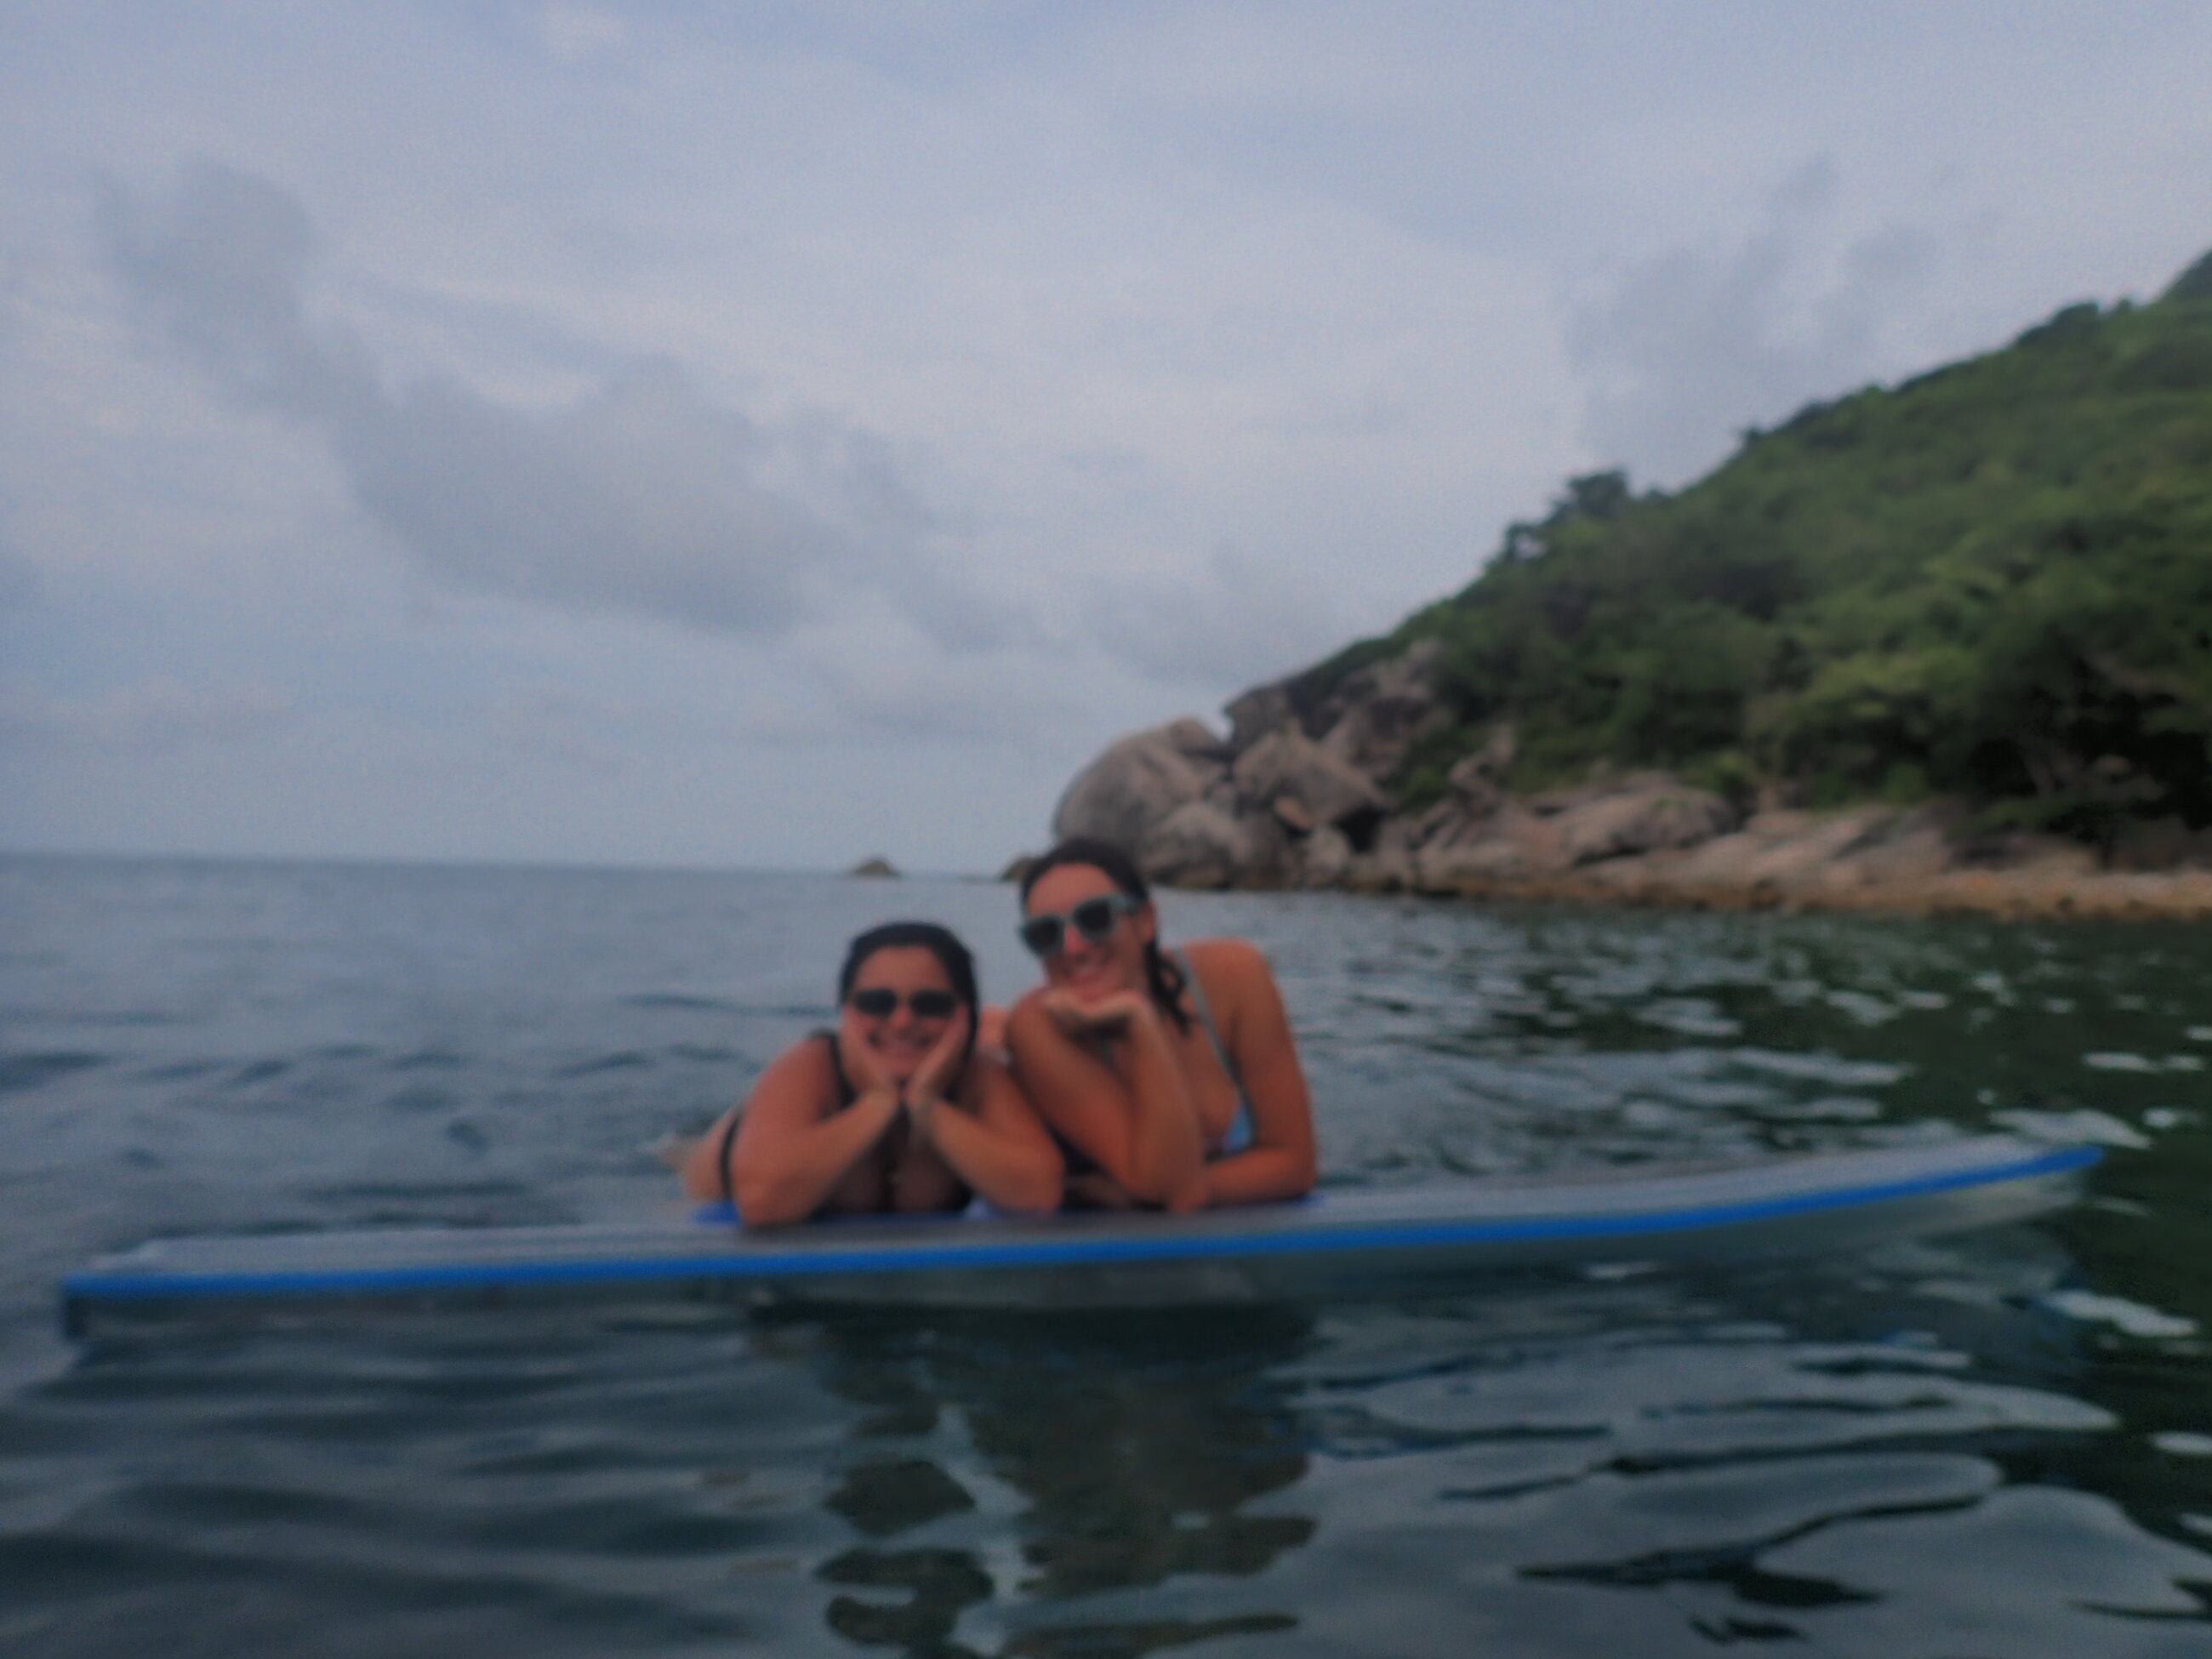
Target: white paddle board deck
column 1337, row 1242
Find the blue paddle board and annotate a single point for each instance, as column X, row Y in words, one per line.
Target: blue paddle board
column 1347, row 1241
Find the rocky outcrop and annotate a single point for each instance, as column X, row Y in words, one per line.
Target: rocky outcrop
column 1139, row 780
column 1294, row 796
column 1372, row 719
column 1202, row 844
column 1866, row 858
column 1299, row 795
column 1289, row 776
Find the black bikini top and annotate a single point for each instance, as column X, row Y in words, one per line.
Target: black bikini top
column 846, row 1094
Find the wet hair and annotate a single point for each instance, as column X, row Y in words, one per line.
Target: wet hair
column 1163, row 979
column 940, row 942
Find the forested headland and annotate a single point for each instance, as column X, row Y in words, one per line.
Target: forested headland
column 1990, row 582
column 1943, row 645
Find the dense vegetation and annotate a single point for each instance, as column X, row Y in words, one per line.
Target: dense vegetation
column 1993, row 581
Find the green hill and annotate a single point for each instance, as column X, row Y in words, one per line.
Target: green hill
column 1993, row 581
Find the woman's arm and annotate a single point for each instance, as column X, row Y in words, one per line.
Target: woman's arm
column 1137, row 1122
column 790, row 1152
column 922, row 1182
column 990, row 1137
column 1256, row 1028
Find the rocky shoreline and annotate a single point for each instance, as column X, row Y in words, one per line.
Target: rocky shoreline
column 1295, row 797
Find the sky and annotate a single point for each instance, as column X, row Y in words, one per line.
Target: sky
column 765, row 436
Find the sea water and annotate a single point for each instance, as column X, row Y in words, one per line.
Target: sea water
column 1994, row 1445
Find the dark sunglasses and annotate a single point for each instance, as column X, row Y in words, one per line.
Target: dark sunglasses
column 878, row 1002
column 1095, row 919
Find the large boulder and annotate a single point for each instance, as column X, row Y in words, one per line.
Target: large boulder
column 1504, row 843
column 1467, row 866
column 1387, row 867
column 1139, row 782
column 1323, row 858
column 1376, row 714
column 1288, row 774
column 1472, row 793
column 1784, row 849
column 1199, row 845
column 1256, row 712
column 1661, row 816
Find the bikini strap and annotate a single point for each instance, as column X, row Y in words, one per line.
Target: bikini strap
column 1206, row 1018
column 722, row 1155
column 846, row 1094
column 1241, row 1127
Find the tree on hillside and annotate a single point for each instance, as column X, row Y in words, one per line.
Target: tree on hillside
column 1993, row 579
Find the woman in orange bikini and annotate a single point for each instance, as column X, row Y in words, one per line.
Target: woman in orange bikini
column 1168, row 1078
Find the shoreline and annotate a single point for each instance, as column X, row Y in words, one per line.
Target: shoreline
column 1271, row 807
column 2017, row 895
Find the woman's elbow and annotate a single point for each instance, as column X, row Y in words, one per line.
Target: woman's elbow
column 1037, row 1185
column 764, row 1202
column 1175, row 1185
column 699, row 1184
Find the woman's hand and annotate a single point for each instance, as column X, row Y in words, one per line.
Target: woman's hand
column 1097, row 1190
column 1110, row 1016
column 864, row 1072
column 938, row 1072
column 1129, row 1110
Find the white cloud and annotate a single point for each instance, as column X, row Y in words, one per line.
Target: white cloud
column 1689, row 347
column 1235, row 620
column 641, row 496
column 789, row 433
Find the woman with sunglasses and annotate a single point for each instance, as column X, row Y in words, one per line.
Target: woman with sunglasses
column 892, row 1112
column 1168, row 1078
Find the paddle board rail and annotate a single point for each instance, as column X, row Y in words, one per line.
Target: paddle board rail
column 1336, row 1240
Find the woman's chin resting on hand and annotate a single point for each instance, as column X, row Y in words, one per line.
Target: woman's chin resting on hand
column 896, row 1111
column 1170, row 1079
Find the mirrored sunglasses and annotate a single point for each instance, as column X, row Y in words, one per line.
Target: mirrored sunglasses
column 1095, row 919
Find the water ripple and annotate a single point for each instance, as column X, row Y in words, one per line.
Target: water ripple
column 1994, row 1444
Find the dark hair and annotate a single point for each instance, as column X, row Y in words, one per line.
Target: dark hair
column 940, row 942
column 1163, row 979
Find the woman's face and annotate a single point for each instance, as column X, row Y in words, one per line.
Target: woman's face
column 1091, row 968
column 900, row 1039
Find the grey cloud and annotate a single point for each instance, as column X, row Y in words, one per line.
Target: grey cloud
column 642, row 496
column 219, row 267
column 1237, row 620
column 156, row 716
column 1689, row 348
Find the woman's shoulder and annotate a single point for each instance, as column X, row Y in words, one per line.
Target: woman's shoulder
column 810, row 1062
column 985, row 1067
column 1230, row 960
column 1024, row 1012
column 1235, row 976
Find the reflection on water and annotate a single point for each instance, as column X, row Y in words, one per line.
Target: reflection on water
column 1129, row 1447
column 2000, row 1444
